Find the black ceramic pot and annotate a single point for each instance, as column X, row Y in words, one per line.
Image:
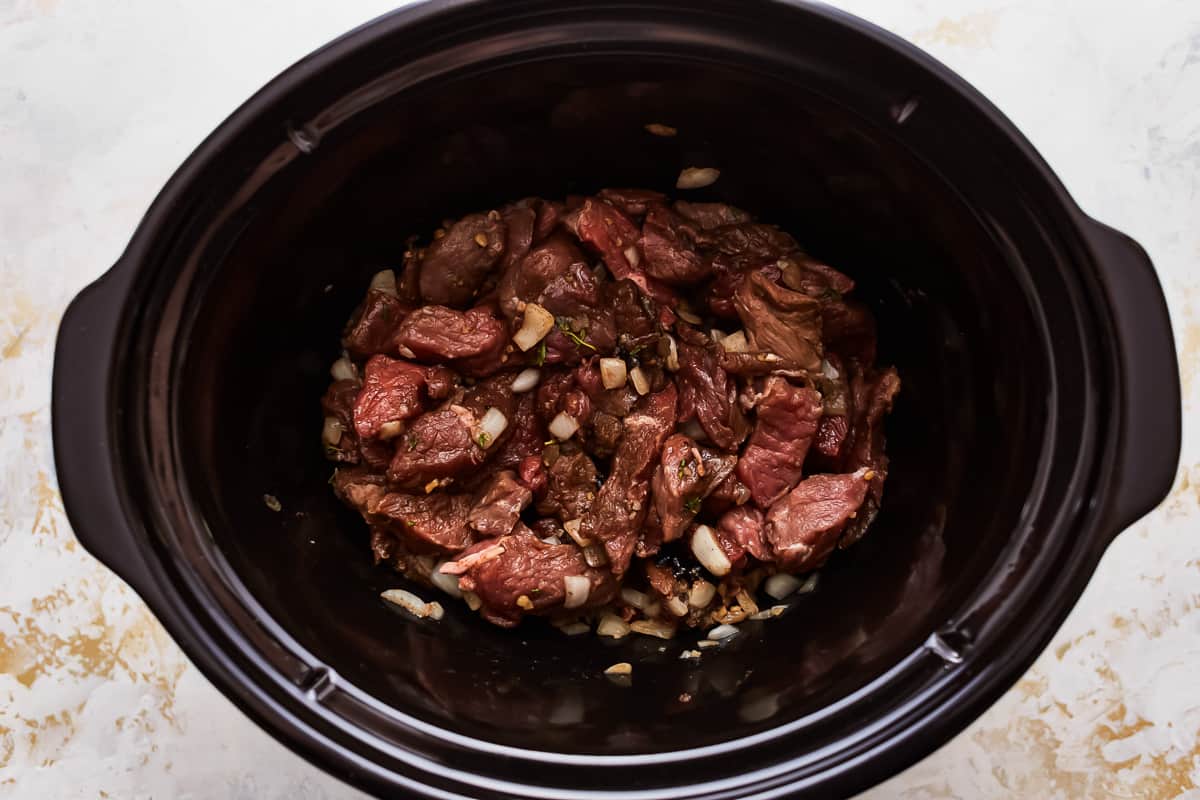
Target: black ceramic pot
column 1040, row 413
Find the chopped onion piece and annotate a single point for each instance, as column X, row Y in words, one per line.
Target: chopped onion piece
column 331, row 433
column 689, row 654
column 686, row 314
column 390, row 430
column 491, row 425
column 809, row 585
column 704, row 644
column 613, row 626
column 574, row 628
column 572, row 526
column 658, row 129
column 761, row 615
column 780, row 585
column 526, row 380
column 473, row 601
column 385, row 281
column 563, row 426
column 716, row 334
column 534, row 327
column 722, row 632
column 632, row 255
column 413, row 604
column 829, row 370
column 653, row 627
column 594, row 555
column 708, row 551
column 620, row 668
column 447, row 583
column 435, row 610
column 641, row 383
column 736, row 342
column 343, row 370
column 577, row 589
column 461, row 565
column 551, row 540
column 677, row 607
column 612, row 373
column 697, row 177
column 672, row 354
column 634, row 598
column 702, row 594
column 652, row 609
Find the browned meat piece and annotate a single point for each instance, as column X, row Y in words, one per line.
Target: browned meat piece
column 549, row 215
column 849, row 330
column 388, row 549
column 803, row 527
column 706, row 391
column 831, row 435
column 532, row 474
column 391, row 394
column 669, row 254
column 473, row 341
column 617, row 402
column 727, row 494
column 684, row 477
column 728, row 277
column 500, row 504
column 519, row 221
column 620, row 507
column 751, row 244
column 526, row 434
column 615, row 237
column 428, row 523
column 711, row 215
column 571, row 486
column 873, row 397
column 780, row 321
column 437, row 445
column 456, row 265
column 786, row 422
column 633, row 202
column 557, row 260
column 744, row 525
column 519, row 574
column 813, row 278
column 574, row 293
column 373, row 325
column 634, row 315
column 338, row 403
column 358, row 487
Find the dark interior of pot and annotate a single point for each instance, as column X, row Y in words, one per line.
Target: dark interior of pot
column 965, row 436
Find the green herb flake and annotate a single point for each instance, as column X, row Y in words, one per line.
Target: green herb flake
column 411, row 441
column 683, row 465
column 540, row 358
column 483, row 440
column 691, row 505
column 565, row 327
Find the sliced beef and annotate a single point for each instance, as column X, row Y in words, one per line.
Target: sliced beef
column 455, row 265
column 635, row 316
column 711, row 215
column 668, row 252
column 727, row 494
column 358, row 487
column 519, row 223
column 804, row 274
column 849, row 330
column 728, row 276
column 557, row 259
column 686, row 474
column 785, row 424
column 338, row 403
column 620, row 508
column 520, row 574
column 615, row 237
column 804, row 526
column 500, row 504
column 438, row 445
column 706, row 391
column 873, row 397
column 373, row 326
column 472, row 341
column 780, row 321
column 571, row 485
column 392, row 393
column 426, row 523
column 526, row 434
column 744, row 525
column 633, row 202
column 532, row 474
column 389, row 549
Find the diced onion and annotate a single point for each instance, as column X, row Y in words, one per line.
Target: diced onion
column 491, row 425
column 413, row 604
column 461, row 565
column 686, row 314
column 672, row 354
column 473, row 601
column 612, row 373
column 829, row 370
column 620, row 668
column 551, row 540
column 780, row 585
column 677, row 607
column 534, row 327
column 613, row 626
column 331, row 433
column 632, row 255
column 572, row 526
column 343, row 370
column 526, row 380
column 735, row 342
column 594, row 555
column 447, row 583
column 653, row 627
column 641, row 383
column 716, row 334
column 704, row 644
column 689, row 654
column 701, row 594
column 577, row 588
column 634, row 598
column 563, row 426
column 658, row 129
column 708, row 551
column 697, row 177
column 385, row 281
column 574, row 628
column 722, row 632
column 390, row 430
column 809, row 585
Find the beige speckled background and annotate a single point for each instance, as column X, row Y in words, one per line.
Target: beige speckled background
column 100, row 101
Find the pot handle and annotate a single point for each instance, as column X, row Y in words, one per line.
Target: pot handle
column 1150, row 402
column 82, row 419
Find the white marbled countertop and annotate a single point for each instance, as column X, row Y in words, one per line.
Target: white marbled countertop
column 100, row 101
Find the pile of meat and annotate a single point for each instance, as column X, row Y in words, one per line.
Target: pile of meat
column 615, row 409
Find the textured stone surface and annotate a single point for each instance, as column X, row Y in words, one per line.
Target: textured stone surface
column 100, row 101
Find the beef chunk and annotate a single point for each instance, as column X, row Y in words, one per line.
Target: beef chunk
column 438, row 445
column 338, row 403
column 519, row 222
column 391, row 394
column 813, row 278
column 473, row 341
column 571, row 486
column 831, row 435
column 556, row 260
column 428, row 523
column 711, row 215
column 707, row 392
column 526, row 434
column 389, row 549
column 684, row 477
column 358, row 487
column 456, row 265
column 780, row 321
column 669, row 253
column 500, row 504
column 523, row 575
column 615, row 237
column 849, row 330
column 532, row 474
column 873, row 396
column 634, row 315
column 373, row 326
column 803, row 527
column 744, row 525
column 785, row 425
column 633, row 202
column 727, row 494
column 750, row 244
column 620, row 507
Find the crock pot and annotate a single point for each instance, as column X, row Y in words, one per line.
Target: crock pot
column 1040, row 411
